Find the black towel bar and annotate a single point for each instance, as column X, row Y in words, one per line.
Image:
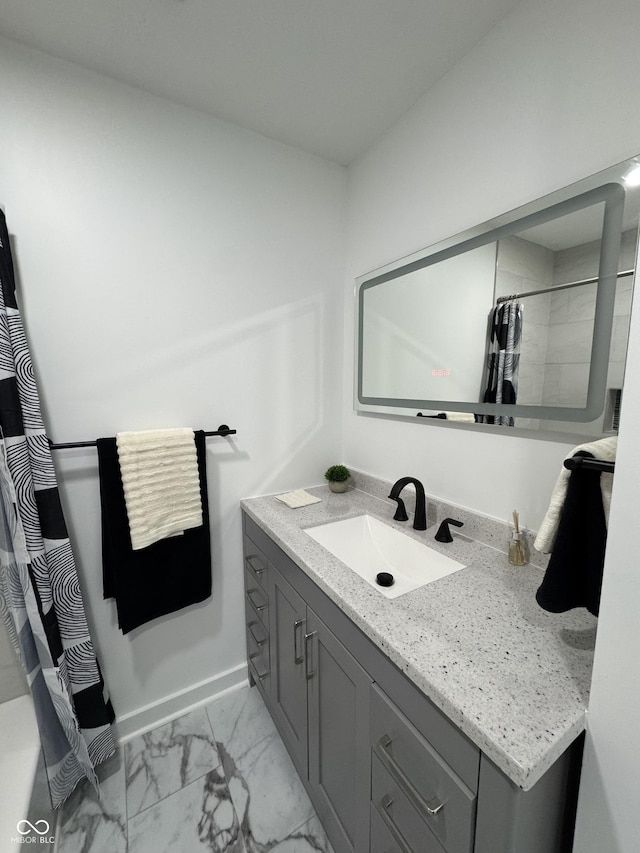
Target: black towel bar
column 223, row 430
column 587, row 462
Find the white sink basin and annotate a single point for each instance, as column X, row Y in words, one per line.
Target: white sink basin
column 369, row 546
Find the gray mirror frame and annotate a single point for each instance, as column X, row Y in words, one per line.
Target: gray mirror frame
column 570, row 199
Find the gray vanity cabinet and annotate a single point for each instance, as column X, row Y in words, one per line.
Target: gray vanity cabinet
column 256, row 577
column 386, row 770
column 319, row 701
column 316, row 692
column 339, row 755
column 288, row 617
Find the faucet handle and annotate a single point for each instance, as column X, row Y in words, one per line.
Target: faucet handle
column 444, row 534
column 401, row 511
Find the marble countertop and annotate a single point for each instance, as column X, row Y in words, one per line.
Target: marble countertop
column 514, row 678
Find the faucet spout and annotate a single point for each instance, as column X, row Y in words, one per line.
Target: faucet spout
column 420, row 516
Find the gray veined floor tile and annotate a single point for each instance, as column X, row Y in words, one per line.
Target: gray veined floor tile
column 92, row 825
column 267, row 793
column 166, row 759
column 308, row 838
column 196, row 818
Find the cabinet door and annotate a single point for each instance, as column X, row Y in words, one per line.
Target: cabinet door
column 287, row 619
column 339, row 752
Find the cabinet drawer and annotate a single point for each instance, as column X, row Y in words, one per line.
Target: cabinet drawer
column 257, row 601
column 257, row 634
column 403, row 828
column 382, row 841
column 260, row 672
column 258, row 653
column 256, row 564
column 446, row 804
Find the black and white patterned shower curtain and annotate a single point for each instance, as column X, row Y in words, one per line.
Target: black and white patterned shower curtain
column 504, row 360
column 39, row 591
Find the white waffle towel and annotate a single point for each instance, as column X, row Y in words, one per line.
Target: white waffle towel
column 605, row 449
column 298, row 498
column 159, row 470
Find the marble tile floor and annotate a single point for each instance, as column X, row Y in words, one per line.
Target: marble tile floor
column 217, row 779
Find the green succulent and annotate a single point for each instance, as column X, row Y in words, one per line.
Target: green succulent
column 337, row 474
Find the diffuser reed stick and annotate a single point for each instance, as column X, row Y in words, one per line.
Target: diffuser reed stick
column 517, row 555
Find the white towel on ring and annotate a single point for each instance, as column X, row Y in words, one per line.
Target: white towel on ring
column 605, row 449
column 159, row 470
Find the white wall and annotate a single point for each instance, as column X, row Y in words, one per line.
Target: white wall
column 608, row 817
column 174, row 270
column 542, row 101
column 548, row 97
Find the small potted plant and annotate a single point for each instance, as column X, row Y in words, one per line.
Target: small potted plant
column 338, row 477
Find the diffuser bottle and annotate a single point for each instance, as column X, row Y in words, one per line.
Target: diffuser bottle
column 518, row 548
column 518, row 555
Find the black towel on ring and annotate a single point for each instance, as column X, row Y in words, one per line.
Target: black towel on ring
column 574, row 574
column 167, row 575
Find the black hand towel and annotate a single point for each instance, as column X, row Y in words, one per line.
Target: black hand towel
column 166, row 576
column 574, row 574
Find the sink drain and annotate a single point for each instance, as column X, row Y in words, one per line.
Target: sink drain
column 385, row 579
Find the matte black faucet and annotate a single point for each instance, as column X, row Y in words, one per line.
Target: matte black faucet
column 420, row 517
column 444, row 534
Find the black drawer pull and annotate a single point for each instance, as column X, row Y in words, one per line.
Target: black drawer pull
column 385, row 803
column 401, row 777
column 258, row 607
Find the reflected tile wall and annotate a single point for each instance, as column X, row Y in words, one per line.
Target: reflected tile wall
column 530, row 383
column 523, row 266
column 571, row 343
column 525, row 259
column 566, row 384
column 558, row 329
column 576, row 262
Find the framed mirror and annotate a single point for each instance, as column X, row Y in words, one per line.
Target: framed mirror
column 520, row 322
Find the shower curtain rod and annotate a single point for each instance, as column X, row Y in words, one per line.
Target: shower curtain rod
column 223, row 430
column 501, row 299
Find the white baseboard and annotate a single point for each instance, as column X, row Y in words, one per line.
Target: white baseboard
column 176, row 704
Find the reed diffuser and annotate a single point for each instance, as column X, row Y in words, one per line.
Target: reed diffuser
column 517, row 547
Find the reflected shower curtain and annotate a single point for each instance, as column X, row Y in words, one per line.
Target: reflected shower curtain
column 504, row 360
column 40, row 595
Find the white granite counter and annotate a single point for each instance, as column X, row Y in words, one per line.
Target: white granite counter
column 511, row 676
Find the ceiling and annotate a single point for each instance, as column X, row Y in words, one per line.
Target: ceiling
column 326, row 76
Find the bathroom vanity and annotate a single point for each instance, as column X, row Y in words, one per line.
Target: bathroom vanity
column 446, row 719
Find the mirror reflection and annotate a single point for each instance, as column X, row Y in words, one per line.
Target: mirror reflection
column 556, row 284
column 520, row 323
